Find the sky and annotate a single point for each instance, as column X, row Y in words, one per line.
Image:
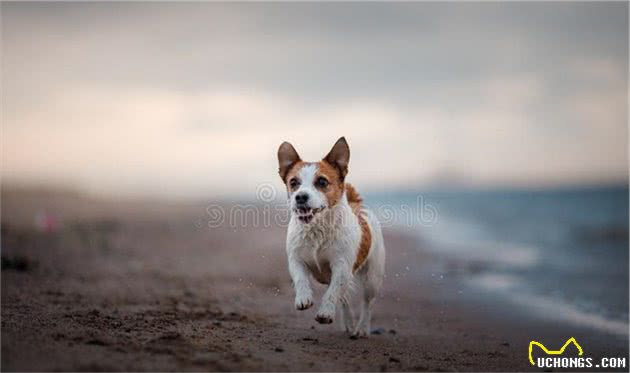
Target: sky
column 193, row 99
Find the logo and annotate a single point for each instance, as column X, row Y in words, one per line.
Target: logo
column 579, row 361
column 554, row 352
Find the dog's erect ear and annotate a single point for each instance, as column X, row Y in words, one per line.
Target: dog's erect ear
column 287, row 157
column 339, row 156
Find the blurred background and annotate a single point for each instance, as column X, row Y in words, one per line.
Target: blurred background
column 509, row 120
column 192, row 100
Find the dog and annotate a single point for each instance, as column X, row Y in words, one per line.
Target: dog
column 331, row 237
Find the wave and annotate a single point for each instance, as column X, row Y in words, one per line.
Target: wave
column 549, row 307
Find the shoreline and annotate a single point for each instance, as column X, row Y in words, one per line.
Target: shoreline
column 481, row 276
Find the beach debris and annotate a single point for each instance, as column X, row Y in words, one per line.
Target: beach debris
column 377, row 331
column 17, row 263
column 45, row 221
column 279, row 349
column 97, row 342
column 94, row 312
column 394, row 359
column 392, row 331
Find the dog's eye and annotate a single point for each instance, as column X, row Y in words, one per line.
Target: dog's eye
column 293, row 183
column 321, row 182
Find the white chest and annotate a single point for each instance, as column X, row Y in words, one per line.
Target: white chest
column 314, row 245
column 318, row 245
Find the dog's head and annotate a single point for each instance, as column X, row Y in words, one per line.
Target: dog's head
column 313, row 187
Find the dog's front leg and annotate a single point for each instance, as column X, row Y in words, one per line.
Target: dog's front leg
column 339, row 281
column 301, row 284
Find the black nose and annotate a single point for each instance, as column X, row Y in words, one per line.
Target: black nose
column 301, row 198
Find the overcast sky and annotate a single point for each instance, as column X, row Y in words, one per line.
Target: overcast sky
column 192, row 100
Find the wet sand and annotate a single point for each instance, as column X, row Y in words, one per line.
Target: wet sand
column 130, row 286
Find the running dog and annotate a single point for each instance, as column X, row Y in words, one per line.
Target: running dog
column 331, row 237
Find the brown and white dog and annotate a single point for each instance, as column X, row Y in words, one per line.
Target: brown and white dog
column 331, row 236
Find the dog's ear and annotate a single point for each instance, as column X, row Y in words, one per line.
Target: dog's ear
column 287, row 157
column 339, row 157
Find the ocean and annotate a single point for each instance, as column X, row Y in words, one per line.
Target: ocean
column 562, row 252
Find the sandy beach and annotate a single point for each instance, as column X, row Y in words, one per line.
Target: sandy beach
column 147, row 286
column 150, row 152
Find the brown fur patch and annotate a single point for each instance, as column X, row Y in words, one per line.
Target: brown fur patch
column 287, row 158
column 293, row 171
column 335, row 187
column 354, row 199
column 356, row 202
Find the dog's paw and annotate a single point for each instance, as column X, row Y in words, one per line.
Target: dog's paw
column 303, row 303
column 360, row 333
column 324, row 319
column 326, row 313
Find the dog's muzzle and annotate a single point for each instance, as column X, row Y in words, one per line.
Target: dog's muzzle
column 306, row 214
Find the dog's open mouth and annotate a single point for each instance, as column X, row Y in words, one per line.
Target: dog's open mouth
column 306, row 214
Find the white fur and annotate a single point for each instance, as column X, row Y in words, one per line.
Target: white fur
column 326, row 248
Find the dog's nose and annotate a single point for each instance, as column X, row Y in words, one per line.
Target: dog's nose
column 301, row 198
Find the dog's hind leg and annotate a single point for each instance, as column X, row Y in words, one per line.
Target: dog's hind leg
column 367, row 301
column 371, row 279
column 347, row 318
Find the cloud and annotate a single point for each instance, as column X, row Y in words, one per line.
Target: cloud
column 193, row 99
